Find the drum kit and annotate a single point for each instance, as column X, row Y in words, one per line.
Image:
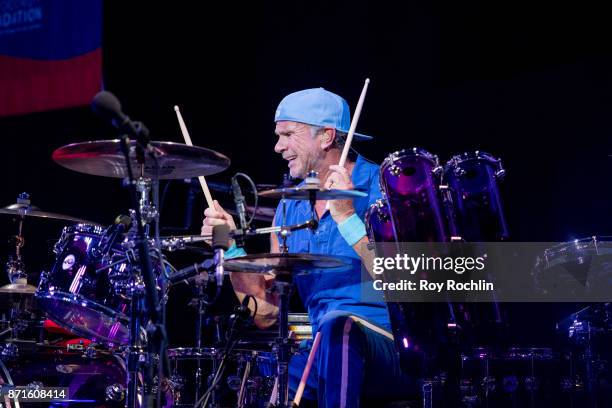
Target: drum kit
column 103, row 297
column 93, row 299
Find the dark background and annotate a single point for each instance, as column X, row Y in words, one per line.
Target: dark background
column 530, row 83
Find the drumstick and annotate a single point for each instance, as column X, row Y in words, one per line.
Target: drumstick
column 349, row 137
column 187, row 138
column 311, row 357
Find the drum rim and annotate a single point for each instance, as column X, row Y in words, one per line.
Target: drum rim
column 414, row 151
column 557, row 254
column 458, row 159
column 75, row 299
column 84, row 228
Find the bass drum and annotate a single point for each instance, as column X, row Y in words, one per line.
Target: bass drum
column 87, row 373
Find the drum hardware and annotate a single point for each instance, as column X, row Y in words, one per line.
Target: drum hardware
column 238, row 320
column 284, row 266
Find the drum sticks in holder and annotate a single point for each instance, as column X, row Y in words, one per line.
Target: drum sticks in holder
column 188, row 142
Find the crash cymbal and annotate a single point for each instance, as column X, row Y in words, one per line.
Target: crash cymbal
column 19, row 210
column 174, row 160
column 18, row 288
column 303, row 193
column 293, row 264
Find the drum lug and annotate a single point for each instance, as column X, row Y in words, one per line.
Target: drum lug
column 115, row 393
column 90, row 352
column 501, row 172
column 9, row 351
column 395, row 170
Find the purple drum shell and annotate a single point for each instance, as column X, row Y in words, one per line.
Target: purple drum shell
column 409, row 182
column 378, row 222
column 52, row 366
column 478, row 213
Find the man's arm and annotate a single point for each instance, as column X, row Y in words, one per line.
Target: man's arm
column 351, row 227
column 245, row 283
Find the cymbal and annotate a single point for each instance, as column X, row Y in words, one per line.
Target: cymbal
column 262, row 214
column 20, row 288
column 19, row 210
column 283, row 264
column 303, row 193
column 174, row 160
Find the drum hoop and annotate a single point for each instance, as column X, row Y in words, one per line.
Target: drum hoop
column 82, row 302
column 594, row 245
column 84, row 229
column 459, row 159
column 187, row 353
column 414, row 152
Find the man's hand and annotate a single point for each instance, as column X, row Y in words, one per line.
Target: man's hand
column 216, row 216
column 340, row 179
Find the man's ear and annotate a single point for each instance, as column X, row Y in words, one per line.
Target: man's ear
column 327, row 138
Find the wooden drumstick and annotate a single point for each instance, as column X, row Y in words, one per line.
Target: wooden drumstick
column 209, row 199
column 349, row 137
column 304, row 379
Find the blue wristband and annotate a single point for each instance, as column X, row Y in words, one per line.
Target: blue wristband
column 234, row 252
column 352, row 229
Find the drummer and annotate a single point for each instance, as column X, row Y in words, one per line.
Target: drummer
column 356, row 358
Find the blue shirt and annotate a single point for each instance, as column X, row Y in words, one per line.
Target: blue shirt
column 329, row 293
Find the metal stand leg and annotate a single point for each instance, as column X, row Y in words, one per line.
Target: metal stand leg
column 427, row 389
column 282, row 344
column 134, row 353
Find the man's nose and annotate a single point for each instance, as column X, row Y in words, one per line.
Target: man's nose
column 280, row 146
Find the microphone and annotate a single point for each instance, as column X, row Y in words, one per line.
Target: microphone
column 186, row 274
column 239, row 202
column 107, row 106
column 115, row 232
column 220, row 244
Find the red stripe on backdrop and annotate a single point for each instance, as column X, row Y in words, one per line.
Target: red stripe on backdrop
column 28, row 85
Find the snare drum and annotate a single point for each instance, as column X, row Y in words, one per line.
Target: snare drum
column 80, row 292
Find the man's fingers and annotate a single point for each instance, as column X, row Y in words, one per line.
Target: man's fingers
column 214, row 221
column 212, row 213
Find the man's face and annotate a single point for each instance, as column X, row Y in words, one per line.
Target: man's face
column 298, row 146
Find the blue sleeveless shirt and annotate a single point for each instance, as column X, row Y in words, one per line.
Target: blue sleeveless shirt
column 329, row 293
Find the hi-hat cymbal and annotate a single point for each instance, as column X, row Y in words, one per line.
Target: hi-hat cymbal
column 18, row 288
column 293, row 264
column 304, row 192
column 174, row 160
column 19, row 210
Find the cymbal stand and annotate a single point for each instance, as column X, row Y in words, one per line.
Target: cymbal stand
column 145, row 304
column 15, row 267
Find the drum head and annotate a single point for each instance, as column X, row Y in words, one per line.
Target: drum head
column 86, row 318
